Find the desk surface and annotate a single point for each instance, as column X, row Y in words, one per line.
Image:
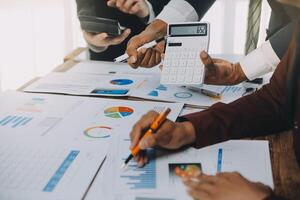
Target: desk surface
column 286, row 171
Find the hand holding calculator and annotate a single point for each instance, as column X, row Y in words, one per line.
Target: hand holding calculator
column 182, row 64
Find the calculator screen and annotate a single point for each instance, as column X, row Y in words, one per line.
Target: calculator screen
column 188, row 30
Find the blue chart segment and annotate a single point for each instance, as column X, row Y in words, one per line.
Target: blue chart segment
column 15, row 121
column 162, row 87
column 142, row 178
column 60, row 171
column 231, row 89
column 220, row 157
column 153, row 93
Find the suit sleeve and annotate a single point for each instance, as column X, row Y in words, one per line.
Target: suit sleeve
column 158, row 5
column 254, row 115
column 280, row 40
column 201, row 6
column 86, row 7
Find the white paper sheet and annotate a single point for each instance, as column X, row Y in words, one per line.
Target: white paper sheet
column 152, row 89
column 61, row 162
column 86, row 84
column 102, row 67
column 157, row 181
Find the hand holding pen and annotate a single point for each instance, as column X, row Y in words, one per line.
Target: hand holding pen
column 169, row 135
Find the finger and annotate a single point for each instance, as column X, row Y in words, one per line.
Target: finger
column 152, row 60
column 127, row 6
column 134, row 9
column 146, row 59
column 119, row 3
column 119, row 39
column 157, row 58
column 160, row 47
column 111, row 3
column 199, row 195
column 148, row 142
column 206, row 59
column 134, row 44
column 140, row 126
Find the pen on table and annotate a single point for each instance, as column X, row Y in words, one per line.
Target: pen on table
column 157, row 122
column 147, row 45
column 211, row 93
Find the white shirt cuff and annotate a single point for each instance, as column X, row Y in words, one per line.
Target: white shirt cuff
column 260, row 61
column 151, row 12
column 96, row 49
column 178, row 11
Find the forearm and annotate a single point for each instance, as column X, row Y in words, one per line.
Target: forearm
column 258, row 114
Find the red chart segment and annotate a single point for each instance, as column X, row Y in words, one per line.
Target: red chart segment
column 118, row 112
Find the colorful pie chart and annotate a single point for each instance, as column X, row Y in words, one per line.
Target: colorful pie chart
column 118, row 112
column 98, row 132
column 121, row 82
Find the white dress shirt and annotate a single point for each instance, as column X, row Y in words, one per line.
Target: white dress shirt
column 178, row 11
column 260, row 61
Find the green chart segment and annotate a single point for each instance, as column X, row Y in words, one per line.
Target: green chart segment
column 118, row 112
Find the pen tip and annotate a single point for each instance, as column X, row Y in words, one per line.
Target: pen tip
column 123, row 167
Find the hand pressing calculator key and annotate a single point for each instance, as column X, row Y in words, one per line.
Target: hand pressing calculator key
column 182, row 64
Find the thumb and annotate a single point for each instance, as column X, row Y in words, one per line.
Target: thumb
column 148, row 142
column 206, row 59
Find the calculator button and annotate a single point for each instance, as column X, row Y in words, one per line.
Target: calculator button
column 180, row 78
column 165, row 78
column 166, row 71
column 181, row 71
column 183, row 63
column 196, row 78
column 175, row 63
column 191, row 63
column 188, row 79
column 172, row 71
column 190, row 71
column 172, row 79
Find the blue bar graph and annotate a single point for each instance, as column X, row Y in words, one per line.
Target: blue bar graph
column 15, row 121
column 143, row 178
column 231, row 89
column 52, row 183
column 219, row 163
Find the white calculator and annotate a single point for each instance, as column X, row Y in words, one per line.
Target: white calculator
column 182, row 64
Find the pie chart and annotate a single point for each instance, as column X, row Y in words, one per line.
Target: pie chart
column 118, row 112
column 121, row 82
column 98, row 132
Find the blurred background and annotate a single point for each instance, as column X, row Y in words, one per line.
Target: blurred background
column 35, row 35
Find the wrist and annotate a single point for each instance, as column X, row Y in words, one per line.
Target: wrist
column 157, row 28
column 239, row 75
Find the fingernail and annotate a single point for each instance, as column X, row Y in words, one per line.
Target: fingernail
column 132, row 59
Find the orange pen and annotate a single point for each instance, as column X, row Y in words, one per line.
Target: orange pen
column 158, row 121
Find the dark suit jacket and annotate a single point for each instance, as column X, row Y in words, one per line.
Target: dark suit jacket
column 100, row 9
column 280, row 28
column 272, row 109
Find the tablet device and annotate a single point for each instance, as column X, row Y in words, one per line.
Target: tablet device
column 94, row 24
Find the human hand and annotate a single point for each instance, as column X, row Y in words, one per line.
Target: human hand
column 134, row 7
column 145, row 58
column 221, row 72
column 170, row 135
column 225, row 186
column 103, row 40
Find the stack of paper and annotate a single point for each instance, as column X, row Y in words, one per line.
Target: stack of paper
column 52, row 146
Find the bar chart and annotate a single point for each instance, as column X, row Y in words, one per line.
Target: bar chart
column 15, row 121
column 141, row 178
